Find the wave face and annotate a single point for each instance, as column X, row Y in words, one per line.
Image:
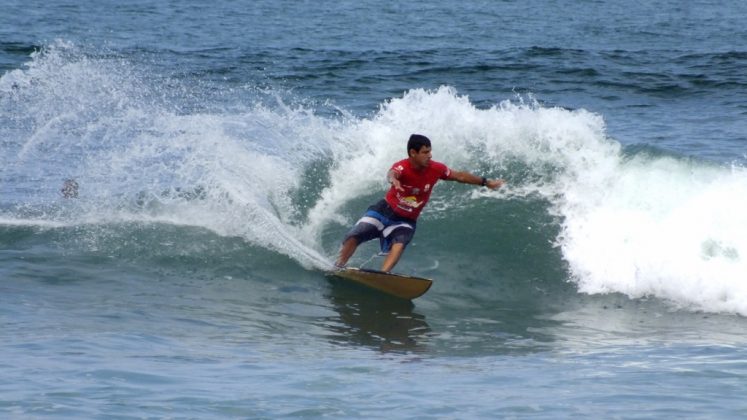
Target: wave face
column 288, row 177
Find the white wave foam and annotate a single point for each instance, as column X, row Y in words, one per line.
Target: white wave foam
column 641, row 226
column 40, row 223
column 665, row 228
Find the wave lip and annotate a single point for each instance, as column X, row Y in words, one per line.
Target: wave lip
column 663, row 227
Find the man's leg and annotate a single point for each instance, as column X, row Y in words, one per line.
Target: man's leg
column 346, row 251
column 393, row 257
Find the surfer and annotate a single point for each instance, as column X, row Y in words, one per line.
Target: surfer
column 69, row 188
column 393, row 219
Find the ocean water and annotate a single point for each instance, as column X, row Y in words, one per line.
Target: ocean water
column 222, row 150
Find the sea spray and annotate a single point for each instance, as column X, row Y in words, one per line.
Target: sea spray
column 137, row 159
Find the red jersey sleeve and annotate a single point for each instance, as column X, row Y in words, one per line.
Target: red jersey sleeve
column 442, row 170
column 399, row 167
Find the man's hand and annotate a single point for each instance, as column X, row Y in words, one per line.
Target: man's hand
column 494, row 183
column 395, row 183
column 392, row 176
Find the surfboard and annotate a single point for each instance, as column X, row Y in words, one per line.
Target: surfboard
column 399, row 285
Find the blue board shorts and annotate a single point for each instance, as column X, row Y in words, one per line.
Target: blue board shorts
column 381, row 222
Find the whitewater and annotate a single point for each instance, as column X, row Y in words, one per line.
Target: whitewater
column 633, row 221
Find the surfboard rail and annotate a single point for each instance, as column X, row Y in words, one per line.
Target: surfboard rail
column 399, row 285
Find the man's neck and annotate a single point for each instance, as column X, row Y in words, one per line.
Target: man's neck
column 414, row 165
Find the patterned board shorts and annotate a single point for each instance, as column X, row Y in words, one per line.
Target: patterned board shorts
column 381, row 222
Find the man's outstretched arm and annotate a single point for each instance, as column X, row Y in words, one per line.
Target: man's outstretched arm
column 469, row 178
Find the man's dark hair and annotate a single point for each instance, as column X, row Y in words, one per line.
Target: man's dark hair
column 417, row 141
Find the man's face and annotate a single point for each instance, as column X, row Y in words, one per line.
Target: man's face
column 421, row 158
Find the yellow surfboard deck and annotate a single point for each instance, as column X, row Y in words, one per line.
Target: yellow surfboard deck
column 399, row 285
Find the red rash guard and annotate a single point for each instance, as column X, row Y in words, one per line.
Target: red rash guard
column 418, row 184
